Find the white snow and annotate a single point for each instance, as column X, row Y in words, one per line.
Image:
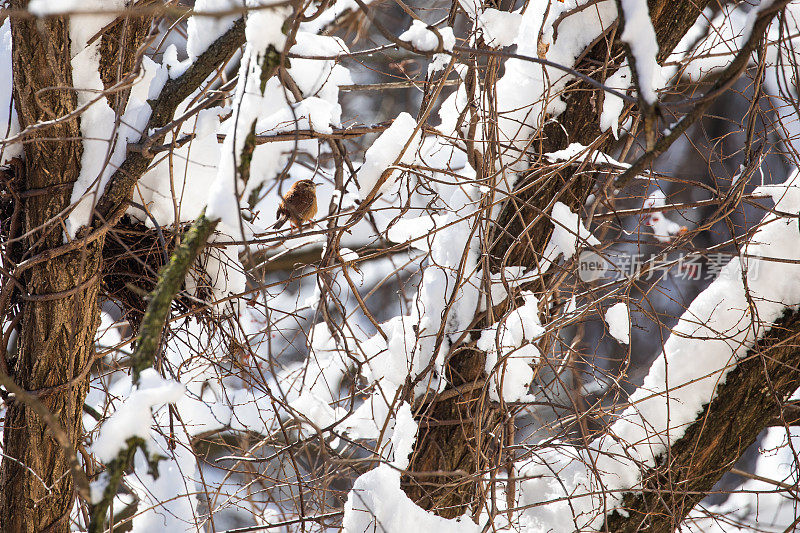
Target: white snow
column 394, row 146
column 500, row 28
column 641, row 37
column 426, row 40
column 250, row 101
column 509, row 342
column 579, row 152
column 612, row 104
column 619, row 322
column 568, row 234
column 315, row 410
column 169, row 501
column 347, row 255
column 528, row 92
column 377, row 503
column 203, row 30
column 403, row 436
column 264, row 27
column 134, row 417
column 105, row 142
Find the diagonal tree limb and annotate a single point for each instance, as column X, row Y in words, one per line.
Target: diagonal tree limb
column 443, row 448
column 170, row 282
column 112, row 204
column 749, row 401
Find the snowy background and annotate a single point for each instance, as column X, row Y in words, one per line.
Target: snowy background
column 294, row 406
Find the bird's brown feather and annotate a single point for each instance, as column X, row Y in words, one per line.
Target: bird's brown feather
column 299, row 205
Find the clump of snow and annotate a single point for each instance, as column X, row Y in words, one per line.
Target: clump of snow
column 510, row 352
column 348, row 255
column 618, row 319
column 134, row 417
column 424, row 39
column 403, row 436
column 377, row 503
column 104, row 140
column 319, row 77
column 415, row 230
column 527, row 92
column 500, row 28
column 321, row 114
column 315, row 410
column 641, row 38
column 579, row 152
column 265, row 26
column 398, row 144
column 568, row 233
column 663, row 228
column 613, row 104
column 42, row 8
column 203, row 30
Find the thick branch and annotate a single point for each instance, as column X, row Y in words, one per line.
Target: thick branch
column 111, row 205
column 751, row 399
column 170, row 282
column 522, row 236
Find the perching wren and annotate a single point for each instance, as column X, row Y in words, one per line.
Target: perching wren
column 299, row 204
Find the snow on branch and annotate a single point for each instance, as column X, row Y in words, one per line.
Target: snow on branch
column 750, row 295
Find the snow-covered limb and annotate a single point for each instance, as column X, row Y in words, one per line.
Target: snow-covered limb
column 640, row 37
column 398, row 144
column 133, row 418
column 111, row 204
column 740, row 307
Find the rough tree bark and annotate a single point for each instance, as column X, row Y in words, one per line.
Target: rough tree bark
column 752, row 397
column 59, row 311
column 460, row 429
column 59, row 298
column 59, row 307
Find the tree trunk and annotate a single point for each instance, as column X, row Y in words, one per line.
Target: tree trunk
column 59, row 311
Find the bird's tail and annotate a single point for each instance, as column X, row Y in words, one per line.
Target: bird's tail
column 281, row 221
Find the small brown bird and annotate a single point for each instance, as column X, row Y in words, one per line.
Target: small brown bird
column 299, row 204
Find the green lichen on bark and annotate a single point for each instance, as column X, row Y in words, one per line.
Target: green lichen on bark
column 170, row 281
